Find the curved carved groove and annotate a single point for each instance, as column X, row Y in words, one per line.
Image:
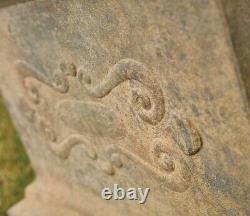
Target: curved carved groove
column 64, row 148
column 186, row 136
column 150, row 107
column 174, row 171
column 177, row 180
column 26, row 70
column 59, row 81
column 93, row 119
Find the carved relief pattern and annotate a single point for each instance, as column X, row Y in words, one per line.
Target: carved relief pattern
column 168, row 164
column 150, row 107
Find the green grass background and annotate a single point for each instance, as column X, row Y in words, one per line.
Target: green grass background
column 15, row 170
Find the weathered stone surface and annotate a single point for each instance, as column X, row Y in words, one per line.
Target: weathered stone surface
column 135, row 93
column 238, row 16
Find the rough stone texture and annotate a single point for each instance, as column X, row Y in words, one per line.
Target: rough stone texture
column 154, row 84
column 6, row 3
column 238, row 16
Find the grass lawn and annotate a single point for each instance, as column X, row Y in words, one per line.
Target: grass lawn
column 15, row 169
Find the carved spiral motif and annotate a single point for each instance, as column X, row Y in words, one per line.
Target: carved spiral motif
column 149, row 105
column 60, row 81
column 173, row 169
column 147, row 100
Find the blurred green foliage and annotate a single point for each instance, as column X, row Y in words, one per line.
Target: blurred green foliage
column 15, row 170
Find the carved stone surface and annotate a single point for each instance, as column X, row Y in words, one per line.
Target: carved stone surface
column 133, row 93
column 238, row 16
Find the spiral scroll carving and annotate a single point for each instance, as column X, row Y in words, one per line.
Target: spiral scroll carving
column 76, row 120
column 149, row 104
column 148, row 101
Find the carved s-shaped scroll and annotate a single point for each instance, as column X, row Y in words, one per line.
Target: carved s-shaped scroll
column 63, row 148
column 150, row 105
